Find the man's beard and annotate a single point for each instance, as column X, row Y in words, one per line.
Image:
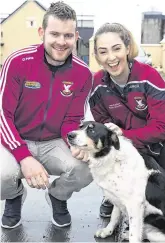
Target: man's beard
column 51, row 60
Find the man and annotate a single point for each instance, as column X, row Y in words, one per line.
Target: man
column 44, row 93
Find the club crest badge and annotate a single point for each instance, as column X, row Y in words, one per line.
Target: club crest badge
column 66, row 91
column 140, row 103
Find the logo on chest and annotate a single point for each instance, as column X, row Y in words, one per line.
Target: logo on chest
column 32, row 85
column 140, row 103
column 66, row 90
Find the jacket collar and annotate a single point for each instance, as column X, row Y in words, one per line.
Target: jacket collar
column 107, row 79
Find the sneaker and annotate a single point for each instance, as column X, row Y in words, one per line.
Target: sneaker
column 12, row 214
column 61, row 216
column 106, row 209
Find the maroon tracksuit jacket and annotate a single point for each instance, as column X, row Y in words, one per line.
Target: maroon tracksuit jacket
column 139, row 108
column 38, row 102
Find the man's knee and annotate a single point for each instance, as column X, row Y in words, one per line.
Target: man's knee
column 82, row 174
column 9, row 179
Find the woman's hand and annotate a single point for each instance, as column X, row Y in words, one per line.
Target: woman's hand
column 114, row 128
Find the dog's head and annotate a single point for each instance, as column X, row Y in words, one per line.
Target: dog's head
column 94, row 137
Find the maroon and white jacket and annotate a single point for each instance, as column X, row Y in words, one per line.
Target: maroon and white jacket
column 139, row 108
column 41, row 102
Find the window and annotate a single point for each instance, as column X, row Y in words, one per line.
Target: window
column 85, row 23
column 31, row 22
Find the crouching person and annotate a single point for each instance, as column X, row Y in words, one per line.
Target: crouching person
column 128, row 95
column 46, row 100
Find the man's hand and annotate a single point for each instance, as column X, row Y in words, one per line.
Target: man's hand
column 114, row 128
column 79, row 154
column 34, row 173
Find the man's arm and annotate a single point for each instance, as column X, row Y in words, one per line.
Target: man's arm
column 10, row 93
column 34, row 173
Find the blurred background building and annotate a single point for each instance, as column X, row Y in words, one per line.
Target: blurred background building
column 19, row 30
column 19, row 27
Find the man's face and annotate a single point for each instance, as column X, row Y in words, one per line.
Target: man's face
column 59, row 39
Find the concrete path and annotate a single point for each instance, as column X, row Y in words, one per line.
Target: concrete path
column 36, row 217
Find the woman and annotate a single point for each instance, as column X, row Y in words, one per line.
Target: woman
column 129, row 94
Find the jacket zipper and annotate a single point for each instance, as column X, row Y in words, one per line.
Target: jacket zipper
column 123, row 100
column 48, row 103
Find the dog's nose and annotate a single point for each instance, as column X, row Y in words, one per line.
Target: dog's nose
column 71, row 135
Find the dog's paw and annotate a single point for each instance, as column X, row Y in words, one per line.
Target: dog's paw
column 103, row 233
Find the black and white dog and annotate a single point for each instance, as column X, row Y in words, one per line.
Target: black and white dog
column 136, row 188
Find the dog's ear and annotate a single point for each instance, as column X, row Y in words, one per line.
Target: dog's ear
column 115, row 141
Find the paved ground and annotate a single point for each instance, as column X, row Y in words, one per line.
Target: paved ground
column 37, row 227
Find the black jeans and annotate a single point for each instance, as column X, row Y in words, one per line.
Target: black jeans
column 160, row 159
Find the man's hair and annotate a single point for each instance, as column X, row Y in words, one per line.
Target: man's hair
column 125, row 35
column 59, row 10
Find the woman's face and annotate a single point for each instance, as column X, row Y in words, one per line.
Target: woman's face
column 112, row 54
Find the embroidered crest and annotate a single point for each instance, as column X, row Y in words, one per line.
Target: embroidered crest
column 32, row 85
column 66, row 91
column 140, row 103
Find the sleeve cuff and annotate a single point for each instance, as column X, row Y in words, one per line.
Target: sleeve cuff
column 21, row 153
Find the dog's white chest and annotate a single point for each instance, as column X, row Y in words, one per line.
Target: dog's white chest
column 119, row 187
column 119, row 182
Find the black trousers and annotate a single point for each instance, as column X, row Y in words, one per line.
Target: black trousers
column 160, row 159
